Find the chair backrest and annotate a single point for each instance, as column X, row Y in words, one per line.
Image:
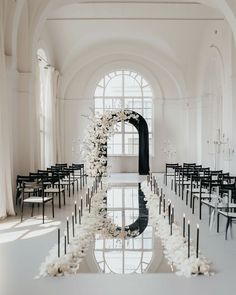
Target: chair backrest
column 37, row 186
column 61, row 166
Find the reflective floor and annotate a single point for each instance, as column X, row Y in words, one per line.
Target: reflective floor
column 141, row 253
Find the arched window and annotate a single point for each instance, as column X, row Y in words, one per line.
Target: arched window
column 124, row 89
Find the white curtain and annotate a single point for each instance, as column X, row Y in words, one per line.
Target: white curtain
column 6, row 196
column 50, row 117
column 48, row 108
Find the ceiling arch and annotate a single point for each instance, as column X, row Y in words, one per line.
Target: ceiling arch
column 130, row 50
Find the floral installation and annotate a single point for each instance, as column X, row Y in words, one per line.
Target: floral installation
column 100, row 128
column 175, row 245
column 93, row 223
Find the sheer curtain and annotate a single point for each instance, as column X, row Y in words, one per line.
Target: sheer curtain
column 48, row 113
column 6, row 199
column 50, row 117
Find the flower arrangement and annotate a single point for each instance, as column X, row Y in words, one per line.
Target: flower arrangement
column 175, row 245
column 100, row 128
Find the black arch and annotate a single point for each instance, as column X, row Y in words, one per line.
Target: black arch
column 141, row 125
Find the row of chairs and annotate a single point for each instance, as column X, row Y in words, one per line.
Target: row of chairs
column 43, row 186
column 214, row 189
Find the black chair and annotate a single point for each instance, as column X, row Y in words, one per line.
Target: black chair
column 19, row 186
column 38, row 197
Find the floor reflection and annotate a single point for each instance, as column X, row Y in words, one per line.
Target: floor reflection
column 134, row 254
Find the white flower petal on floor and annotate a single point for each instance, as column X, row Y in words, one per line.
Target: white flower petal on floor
column 175, row 246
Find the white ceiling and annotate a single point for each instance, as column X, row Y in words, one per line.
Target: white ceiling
column 174, row 27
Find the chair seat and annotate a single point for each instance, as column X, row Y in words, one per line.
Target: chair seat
column 203, row 196
column 228, row 214
column 47, row 183
column 219, row 205
column 196, row 191
column 53, row 190
column 37, row 199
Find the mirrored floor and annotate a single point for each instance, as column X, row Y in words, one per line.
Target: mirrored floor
column 140, row 251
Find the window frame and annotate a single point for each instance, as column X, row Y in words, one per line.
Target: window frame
column 142, row 83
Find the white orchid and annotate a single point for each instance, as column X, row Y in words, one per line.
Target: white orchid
column 100, row 128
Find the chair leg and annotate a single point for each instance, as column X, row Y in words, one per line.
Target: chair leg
column 59, row 198
column 231, row 230
column 43, row 212
column 227, row 227
column 187, row 193
column 191, row 200
column 218, row 222
column 193, row 204
column 209, row 215
column 22, row 209
column 200, row 208
column 32, row 210
column 52, row 207
column 64, row 197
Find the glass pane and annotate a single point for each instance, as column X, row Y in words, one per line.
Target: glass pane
column 108, row 103
column 99, row 244
column 98, row 103
column 137, row 243
column 147, row 243
column 131, row 87
column 98, row 255
column 129, row 103
column 114, row 87
column 132, row 261
column 144, row 82
column 128, row 149
column 147, row 91
column 129, row 139
column 117, row 149
column 136, row 139
column 114, row 261
column 135, row 149
column 147, row 113
column 117, row 103
column 147, row 103
column 117, row 138
column 147, row 256
column 137, row 104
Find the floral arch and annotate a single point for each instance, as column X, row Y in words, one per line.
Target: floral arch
column 101, row 128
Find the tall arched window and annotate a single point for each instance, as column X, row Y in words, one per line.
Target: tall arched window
column 124, row 89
